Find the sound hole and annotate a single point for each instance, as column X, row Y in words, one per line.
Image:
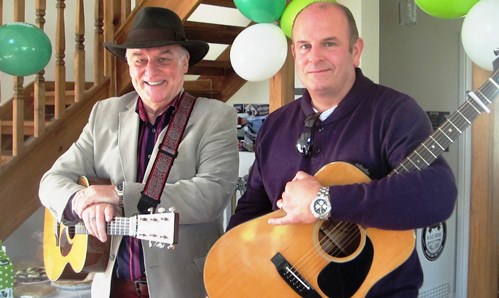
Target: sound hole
column 339, row 239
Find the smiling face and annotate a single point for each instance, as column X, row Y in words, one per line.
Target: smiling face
column 325, row 56
column 157, row 74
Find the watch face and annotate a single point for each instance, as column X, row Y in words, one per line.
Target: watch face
column 321, row 206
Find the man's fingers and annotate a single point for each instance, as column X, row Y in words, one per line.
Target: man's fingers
column 279, row 220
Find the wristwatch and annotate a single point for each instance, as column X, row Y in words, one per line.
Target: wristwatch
column 119, row 190
column 321, row 206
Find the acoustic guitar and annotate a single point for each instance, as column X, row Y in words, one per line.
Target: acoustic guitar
column 328, row 258
column 69, row 252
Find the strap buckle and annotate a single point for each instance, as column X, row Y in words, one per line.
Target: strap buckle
column 141, row 285
column 168, row 151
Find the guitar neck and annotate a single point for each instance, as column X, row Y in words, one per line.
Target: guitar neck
column 476, row 103
column 123, row 226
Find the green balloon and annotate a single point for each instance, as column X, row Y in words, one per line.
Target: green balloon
column 24, row 49
column 261, row 11
column 289, row 14
column 446, row 9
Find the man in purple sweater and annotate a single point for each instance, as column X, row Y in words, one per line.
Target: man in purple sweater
column 344, row 116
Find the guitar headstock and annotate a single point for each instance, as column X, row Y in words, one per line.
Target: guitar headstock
column 161, row 228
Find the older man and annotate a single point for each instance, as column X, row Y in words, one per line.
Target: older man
column 120, row 142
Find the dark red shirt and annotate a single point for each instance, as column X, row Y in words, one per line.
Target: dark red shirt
column 130, row 261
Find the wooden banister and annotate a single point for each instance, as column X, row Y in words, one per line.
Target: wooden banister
column 98, row 41
column 39, row 94
column 60, row 67
column 79, row 50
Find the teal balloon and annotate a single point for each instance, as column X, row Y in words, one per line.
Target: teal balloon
column 446, row 9
column 261, row 11
column 24, row 49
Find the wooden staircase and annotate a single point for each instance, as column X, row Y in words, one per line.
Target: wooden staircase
column 21, row 171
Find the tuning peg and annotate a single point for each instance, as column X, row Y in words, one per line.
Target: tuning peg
column 171, row 246
column 172, row 209
column 161, row 210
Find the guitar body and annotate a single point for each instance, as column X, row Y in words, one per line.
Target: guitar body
column 69, row 252
column 68, row 255
column 337, row 259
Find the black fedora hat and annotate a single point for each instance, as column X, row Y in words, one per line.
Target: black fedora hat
column 156, row 27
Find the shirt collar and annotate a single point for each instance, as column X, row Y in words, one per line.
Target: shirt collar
column 141, row 110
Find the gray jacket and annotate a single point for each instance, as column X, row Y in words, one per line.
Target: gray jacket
column 200, row 183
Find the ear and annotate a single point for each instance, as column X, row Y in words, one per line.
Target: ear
column 185, row 62
column 357, row 51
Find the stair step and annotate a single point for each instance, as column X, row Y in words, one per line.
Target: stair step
column 223, row 3
column 210, row 68
column 202, row 88
column 208, row 94
column 29, row 127
column 212, row 33
column 5, row 158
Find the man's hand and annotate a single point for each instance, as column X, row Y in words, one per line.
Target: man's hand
column 92, row 195
column 96, row 217
column 296, row 199
column 96, row 205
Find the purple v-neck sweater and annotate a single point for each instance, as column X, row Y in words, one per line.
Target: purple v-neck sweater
column 375, row 128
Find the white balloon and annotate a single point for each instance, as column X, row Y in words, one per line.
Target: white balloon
column 259, row 52
column 480, row 32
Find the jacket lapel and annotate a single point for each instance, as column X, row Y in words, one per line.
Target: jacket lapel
column 128, row 137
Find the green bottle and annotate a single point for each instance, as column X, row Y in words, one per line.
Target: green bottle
column 6, row 274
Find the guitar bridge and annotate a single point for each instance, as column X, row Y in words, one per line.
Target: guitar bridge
column 293, row 278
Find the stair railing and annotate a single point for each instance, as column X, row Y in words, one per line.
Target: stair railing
column 34, row 107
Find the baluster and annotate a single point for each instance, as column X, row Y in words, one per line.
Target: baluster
column 18, row 117
column 98, row 42
column 18, row 104
column 39, row 94
column 79, row 51
column 60, row 68
column 111, row 23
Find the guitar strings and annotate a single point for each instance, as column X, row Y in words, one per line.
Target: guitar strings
column 118, row 226
column 333, row 244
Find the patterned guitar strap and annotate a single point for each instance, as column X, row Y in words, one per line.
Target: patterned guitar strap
column 167, row 152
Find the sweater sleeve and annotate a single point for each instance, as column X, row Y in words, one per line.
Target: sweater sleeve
column 401, row 201
column 254, row 202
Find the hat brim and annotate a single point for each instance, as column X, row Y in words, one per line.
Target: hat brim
column 197, row 49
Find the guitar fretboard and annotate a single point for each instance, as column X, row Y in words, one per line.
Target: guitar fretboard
column 476, row 103
column 125, row 226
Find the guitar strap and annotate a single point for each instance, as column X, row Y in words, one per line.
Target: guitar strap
column 167, row 152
